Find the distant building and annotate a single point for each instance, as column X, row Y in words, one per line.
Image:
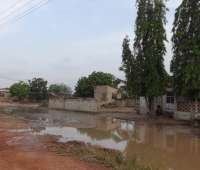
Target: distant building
column 181, row 108
column 4, row 92
column 106, row 94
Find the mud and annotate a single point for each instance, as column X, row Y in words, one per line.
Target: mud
column 20, row 150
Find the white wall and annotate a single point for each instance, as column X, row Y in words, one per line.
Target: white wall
column 76, row 104
column 144, row 109
column 143, row 106
column 87, row 105
column 183, row 116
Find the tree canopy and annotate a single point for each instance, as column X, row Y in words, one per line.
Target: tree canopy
column 85, row 85
column 128, row 63
column 185, row 65
column 38, row 89
column 20, row 90
column 145, row 71
column 60, row 89
column 149, row 47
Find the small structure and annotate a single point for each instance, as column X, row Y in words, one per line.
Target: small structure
column 4, row 92
column 106, row 94
column 178, row 107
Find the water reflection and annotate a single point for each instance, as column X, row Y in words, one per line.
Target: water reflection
column 165, row 147
column 169, row 148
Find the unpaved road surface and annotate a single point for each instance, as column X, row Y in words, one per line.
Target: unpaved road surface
column 20, row 150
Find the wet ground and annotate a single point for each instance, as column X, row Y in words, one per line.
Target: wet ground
column 21, row 149
column 24, row 135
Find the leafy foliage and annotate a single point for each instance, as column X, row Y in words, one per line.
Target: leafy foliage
column 185, row 65
column 128, row 63
column 60, row 89
column 145, row 71
column 20, row 90
column 85, row 85
column 38, row 89
column 84, row 88
column 149, row 47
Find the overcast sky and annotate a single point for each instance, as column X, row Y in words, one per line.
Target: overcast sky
column 66, row 39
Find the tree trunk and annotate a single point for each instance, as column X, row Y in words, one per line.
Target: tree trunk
column 150, row 102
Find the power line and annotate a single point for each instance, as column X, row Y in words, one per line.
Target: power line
column 13, row 10
column 10, row 7
column 20, row 16
column 27, row 12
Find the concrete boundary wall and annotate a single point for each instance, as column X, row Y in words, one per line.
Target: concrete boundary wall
column 188, row 107
column 126, row 103
column 74, row 104
column 57, row 103
column 186, row 110
column 184, row 115
column 84, row 105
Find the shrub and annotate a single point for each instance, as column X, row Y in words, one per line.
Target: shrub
column 20, row 90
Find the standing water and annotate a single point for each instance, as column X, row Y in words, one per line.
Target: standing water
column 162, row 146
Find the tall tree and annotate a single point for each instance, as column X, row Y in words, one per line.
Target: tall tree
column 128, row 66
column 149, row 49
column 185, row 64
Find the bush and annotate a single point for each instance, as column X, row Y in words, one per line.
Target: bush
column 20, row 90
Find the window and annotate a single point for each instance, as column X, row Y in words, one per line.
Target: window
column 170, row 98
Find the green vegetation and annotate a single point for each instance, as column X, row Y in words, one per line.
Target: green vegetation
column 145, row 71
column 35, row 90
column 85, row 85
column 20, row 90
column 185, row 65
column 38, row 89
column 60, row 89
column 128, row 67
column 86, row 152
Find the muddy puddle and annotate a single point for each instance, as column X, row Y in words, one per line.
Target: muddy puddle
column 161, row 146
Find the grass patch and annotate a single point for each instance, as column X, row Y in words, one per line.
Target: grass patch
column 93, row 154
